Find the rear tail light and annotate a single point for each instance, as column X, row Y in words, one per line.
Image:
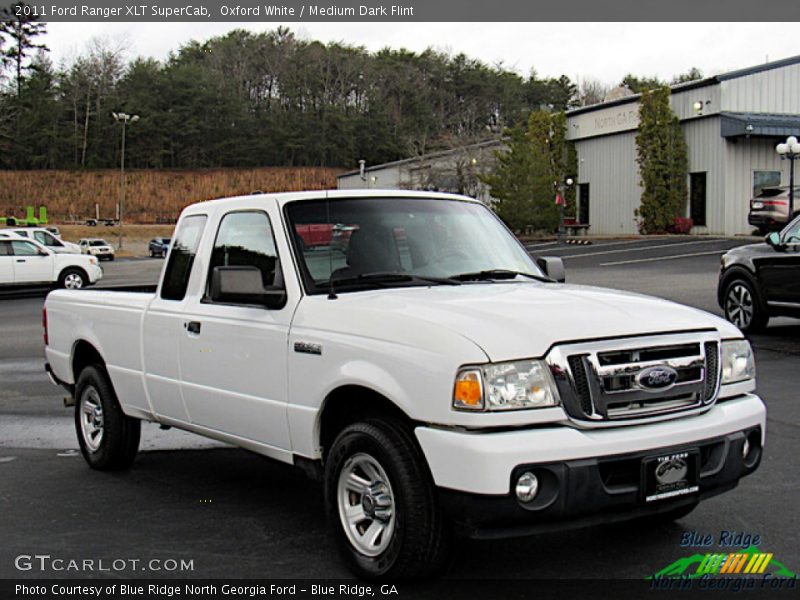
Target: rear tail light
column 775, row 202
column 44, row 324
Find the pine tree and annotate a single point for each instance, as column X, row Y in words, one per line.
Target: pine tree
column 22, row 29
column 663, row 163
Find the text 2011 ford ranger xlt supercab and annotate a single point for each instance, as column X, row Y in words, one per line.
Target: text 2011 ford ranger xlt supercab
column 433, row 374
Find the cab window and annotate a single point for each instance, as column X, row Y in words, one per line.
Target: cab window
column 46, row 239
column 181, row 258
column 245, row 239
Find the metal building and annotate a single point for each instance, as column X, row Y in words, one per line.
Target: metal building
column 731, row 122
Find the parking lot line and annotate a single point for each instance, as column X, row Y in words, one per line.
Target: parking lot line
column 657, row 258
column 641, row 248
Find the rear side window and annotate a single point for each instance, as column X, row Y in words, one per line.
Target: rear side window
column 5, row 248
column 245, row 239
column 181, row 258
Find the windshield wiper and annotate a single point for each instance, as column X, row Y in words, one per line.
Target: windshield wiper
column 388, row 277
column 490, row 274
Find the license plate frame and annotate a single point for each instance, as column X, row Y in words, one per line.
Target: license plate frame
column 670, row 475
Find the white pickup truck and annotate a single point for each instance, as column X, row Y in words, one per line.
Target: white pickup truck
column 407, row 349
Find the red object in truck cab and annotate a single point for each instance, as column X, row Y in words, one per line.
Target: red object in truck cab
column 315, row 235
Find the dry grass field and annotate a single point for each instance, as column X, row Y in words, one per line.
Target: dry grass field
column 152, row 196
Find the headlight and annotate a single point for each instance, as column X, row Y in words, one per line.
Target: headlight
column 505, row 386
column 738, row 363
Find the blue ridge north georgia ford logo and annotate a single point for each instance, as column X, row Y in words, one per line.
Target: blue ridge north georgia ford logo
column 657, row 378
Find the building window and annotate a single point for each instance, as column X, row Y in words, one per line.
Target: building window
column 765, row 179
column 583, row 203
column 697, row 199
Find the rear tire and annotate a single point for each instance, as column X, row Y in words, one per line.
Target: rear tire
column 382, row 504
column 742, row 306
column 73, row 279
column 108, row 438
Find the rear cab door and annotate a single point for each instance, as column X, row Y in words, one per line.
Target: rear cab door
column 162, row 327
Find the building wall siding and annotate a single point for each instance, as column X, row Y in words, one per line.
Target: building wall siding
column 776, row 91
column 614, row 193
column 742, row 158
column 707, row 154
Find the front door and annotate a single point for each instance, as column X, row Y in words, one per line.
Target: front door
column 29, row 265
column 233, row 356
column 779, row 271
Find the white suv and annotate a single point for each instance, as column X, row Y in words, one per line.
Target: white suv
column 97, row 247
column 47, row 239
column 24, row 262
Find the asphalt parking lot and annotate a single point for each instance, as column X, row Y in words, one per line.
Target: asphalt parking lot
column 235, row 514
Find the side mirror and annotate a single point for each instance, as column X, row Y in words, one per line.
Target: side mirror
column 553, row 267
column 774, row 239
column 43, row 252
column 243, row 285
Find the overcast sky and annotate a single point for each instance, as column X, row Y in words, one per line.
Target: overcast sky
column 606, row 51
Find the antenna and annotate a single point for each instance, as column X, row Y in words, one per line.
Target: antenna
column 331, row 292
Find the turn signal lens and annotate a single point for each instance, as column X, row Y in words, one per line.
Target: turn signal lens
column 468, row 392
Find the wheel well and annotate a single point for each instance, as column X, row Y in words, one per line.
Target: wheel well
column 84, row 355
column 736, row 272
column 350, row 403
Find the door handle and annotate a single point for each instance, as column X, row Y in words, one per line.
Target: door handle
column 193, row 327
column 20, row 260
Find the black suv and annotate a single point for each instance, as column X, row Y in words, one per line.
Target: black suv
column 760, row 281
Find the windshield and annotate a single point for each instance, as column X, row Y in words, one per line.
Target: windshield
column 98, row 243
column 381, row 242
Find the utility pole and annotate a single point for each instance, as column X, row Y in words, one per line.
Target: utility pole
column 123, row 119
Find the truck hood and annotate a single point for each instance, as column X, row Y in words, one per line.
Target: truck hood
column 514, row 320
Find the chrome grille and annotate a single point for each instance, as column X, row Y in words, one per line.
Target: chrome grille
column 637, row 377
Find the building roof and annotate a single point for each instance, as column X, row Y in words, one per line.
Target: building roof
column 759, row 124
column 690, row 85
column 413, row 159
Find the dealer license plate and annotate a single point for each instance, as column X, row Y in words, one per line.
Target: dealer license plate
column 671, row 475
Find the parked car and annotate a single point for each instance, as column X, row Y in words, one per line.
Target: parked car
column 433, row 375
column 44, row 237
column 109, row 222
column 25, row 262
column 759, row 281
column 97, row 247
column 159, row 247
column 769, row 210
column 91, row 222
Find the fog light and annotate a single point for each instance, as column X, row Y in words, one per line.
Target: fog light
column 745, row 448
column 527, row 487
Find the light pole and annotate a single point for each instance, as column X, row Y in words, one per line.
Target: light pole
column 124, row 119
column 562, row 190
column 790, row 150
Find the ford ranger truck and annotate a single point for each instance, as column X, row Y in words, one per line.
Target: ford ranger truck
column 435, row 376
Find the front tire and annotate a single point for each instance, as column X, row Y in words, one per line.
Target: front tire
column 108, row 438
column 73, row 279
column 382, row 503
column 742, row 306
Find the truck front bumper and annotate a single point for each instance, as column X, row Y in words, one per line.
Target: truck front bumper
column 585, row 476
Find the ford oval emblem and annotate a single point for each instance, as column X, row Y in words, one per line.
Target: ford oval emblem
column 657, row 378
